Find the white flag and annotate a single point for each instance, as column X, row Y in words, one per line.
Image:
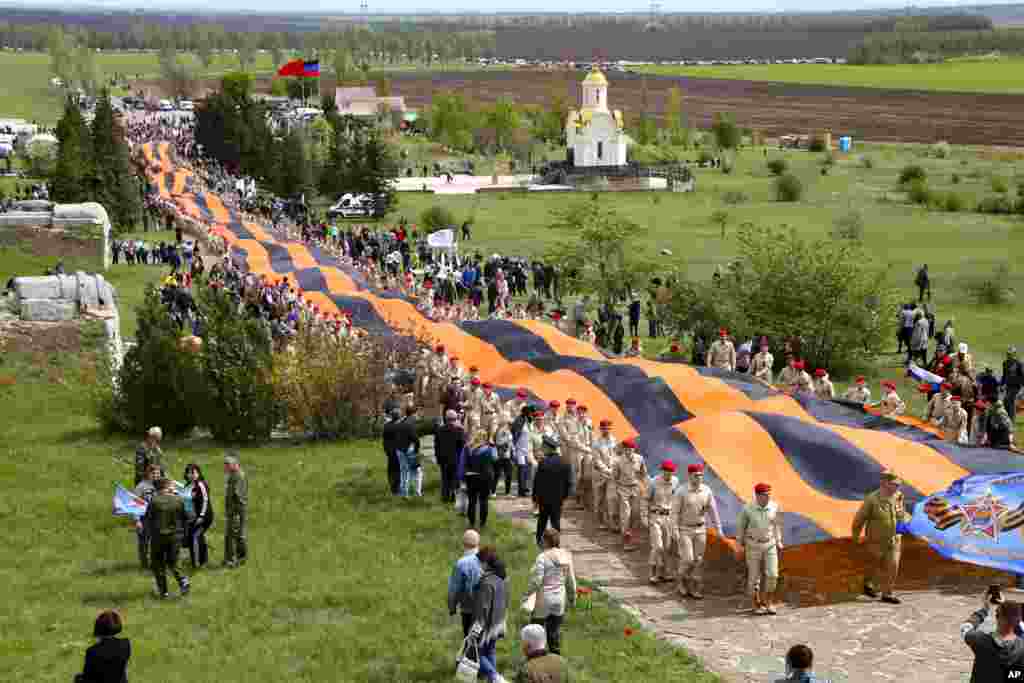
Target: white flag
column 442, row 239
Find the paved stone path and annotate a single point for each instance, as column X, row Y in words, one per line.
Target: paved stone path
column 855, row 640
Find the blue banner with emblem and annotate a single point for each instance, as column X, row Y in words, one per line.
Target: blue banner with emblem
column 979, row 519
column 127, row 504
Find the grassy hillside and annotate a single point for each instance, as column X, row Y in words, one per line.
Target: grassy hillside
column 344, row 583
column 989, row 76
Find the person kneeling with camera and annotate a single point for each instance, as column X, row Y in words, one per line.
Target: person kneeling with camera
column 998, row 656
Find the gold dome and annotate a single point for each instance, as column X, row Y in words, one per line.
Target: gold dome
column 595, row 77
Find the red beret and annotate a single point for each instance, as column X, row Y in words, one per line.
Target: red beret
column 521, row 393
column 474, row 368
column 946, row 385
column 674, row 348
column 860, row 379
column 980, row 404
column 888, row 383
column 538, row 413
column 820, row 372
column 554, row 404
column 955, row 397
column 439, row 348
column 763, row 488
column 799, row 365
column 454, row 359
column 606, row 423
column 488, row 385
column 694, row 468
column 630, row 443
column 668, row 466
column 946, row 360
column 428, row 284
column 570, row 402
column 723, row 332
column 924, row 388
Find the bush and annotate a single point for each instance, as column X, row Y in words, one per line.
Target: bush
column 788, row 188
column 332, row 391
column 953, row 202
column 999, row 204
column 705, row 157
column 828, row 158
column 157, row 383
column 956, row 178
column 918, row 192
column 238, row 372
column 992, row 289
column 849, row 226
column 941, row 150
column 436, row 218
column 999, row 185
column 911, row 173
column 778, row 166
column 816, row 144
column 734, row 197
column 867, row 162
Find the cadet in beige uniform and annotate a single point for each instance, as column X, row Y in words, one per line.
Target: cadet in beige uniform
column 474, row 373
column 473, row 406
column 455, row 369
column 939, row 404
column 660, row 516
column 954, row 422
column 514, row 407
column 722, row 354
column 882, row 516
column 630, row 470
column 858, row 392
column 490, row 411
column 692, row 504
column 585, row 479
column 891, row 403
column 762, row 363
column 823, row 388
column 759, row 534
column 789, row 378
column 603, row 501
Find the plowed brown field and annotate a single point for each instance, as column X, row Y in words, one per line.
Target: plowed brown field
column 773, row 108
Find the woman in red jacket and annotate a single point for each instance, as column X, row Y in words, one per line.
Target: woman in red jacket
column 202, row 506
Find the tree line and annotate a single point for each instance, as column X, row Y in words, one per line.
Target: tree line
column 94, row 163
column 330, row 155
column 921, row 46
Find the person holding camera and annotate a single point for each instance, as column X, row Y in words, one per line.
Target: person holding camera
column 998, row 656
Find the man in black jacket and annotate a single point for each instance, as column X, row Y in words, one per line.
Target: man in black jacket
column 407, row 445
column 998, row 656
column 388, row 434
column 1012, row 380
column 449, row 440
column 551, row 486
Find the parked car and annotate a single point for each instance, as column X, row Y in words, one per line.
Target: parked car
column 165, row 105
column 187, row 105
column 352, row 205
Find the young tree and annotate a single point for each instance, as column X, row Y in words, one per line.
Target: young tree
column 720, row 218
column 112, row 179
column 246, row 53
column 504, row 119
column 61, row 56
column 205, row 53
column 599, row 251
column 68, row 185
column 678, row 131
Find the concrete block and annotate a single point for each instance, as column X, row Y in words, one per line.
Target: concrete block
column 88, row 296
column 68, row 287
column 104, row 291
column 45, row 287
column 48, row 310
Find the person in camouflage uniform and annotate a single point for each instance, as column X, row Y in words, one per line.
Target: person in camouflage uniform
column 999, row 427
column 149, row 453
column 236, row 509
column 166, row 521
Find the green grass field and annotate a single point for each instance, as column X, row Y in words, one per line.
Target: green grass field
column 992, row 76
column 343, row 583
column 898, row 235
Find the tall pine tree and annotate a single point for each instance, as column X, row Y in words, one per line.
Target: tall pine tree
column 112, row 178
column 68, row 185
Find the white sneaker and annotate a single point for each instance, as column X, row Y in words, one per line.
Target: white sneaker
column 499, row 679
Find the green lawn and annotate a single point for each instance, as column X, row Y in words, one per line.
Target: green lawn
column 996, row 76
column 343, row 583
column 898, row 236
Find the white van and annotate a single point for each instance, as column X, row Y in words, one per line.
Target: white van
column 165, row 105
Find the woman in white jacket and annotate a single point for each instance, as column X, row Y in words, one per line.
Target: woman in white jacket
column 553, row 582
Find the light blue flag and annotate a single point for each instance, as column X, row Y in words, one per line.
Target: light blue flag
column 979, row 519
column 924, row 377
column 127, row 504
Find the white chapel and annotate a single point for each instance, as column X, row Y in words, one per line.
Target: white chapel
column 594, row 134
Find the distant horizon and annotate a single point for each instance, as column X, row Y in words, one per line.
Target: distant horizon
column 393, row 7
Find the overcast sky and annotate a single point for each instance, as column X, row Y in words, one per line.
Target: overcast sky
column 352, row 6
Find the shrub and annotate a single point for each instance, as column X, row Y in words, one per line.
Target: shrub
column 992, row 289
column 999, row 204
column 918, row 192
column 911, row 173
column 953, row 202
column 734, row 197
column 956, row 178
column 705, row 157
column 824, row 170
column 867, row 162
column 828, row 158
column 999, row 185
column 778, row 166
column 157, row 383
column 788, row 188
column 849, row 226
column 941, row 150
column 436, row 218
column 816, row 144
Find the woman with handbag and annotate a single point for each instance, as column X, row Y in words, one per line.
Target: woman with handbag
column 489, row 603
column 554, row 582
